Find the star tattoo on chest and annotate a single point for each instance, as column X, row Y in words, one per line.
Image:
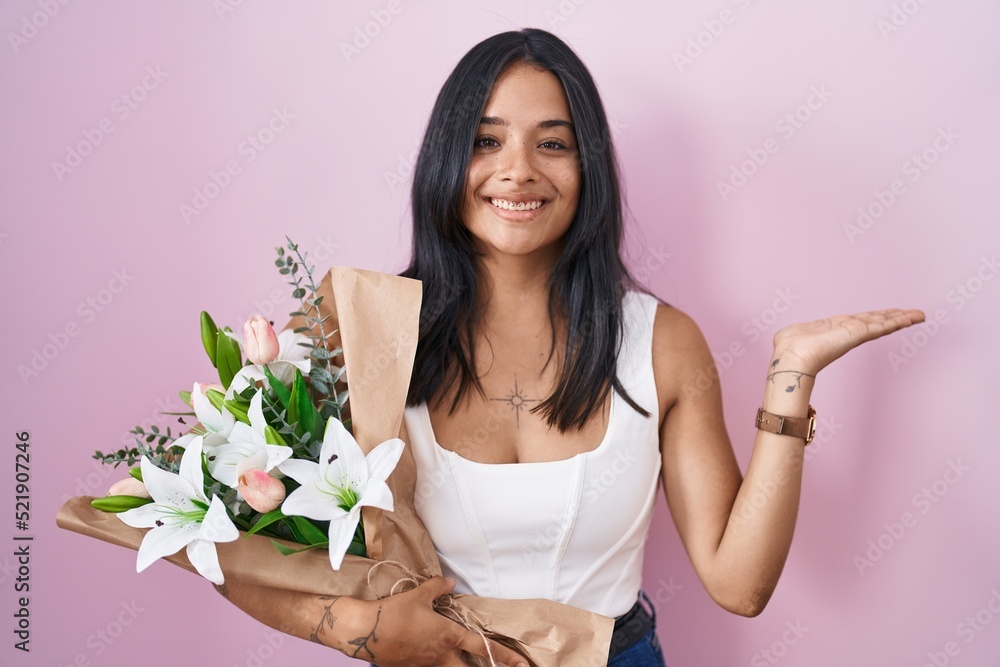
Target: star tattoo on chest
column 516, row 400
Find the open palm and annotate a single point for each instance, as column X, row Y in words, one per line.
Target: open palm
column 816, row 344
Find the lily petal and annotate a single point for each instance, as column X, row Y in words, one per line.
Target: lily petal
column 350, row 460
column 305, row 473
column 145, row 516
column 190, row 469
column 205, row 559
column 163, row 541
column 217, row 526
column 227, row 458
column 167, row 488
column 383, row 459
column 341, row 532
column 310, row 502
column 377, row 495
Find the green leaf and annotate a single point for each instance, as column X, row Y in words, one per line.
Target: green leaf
column 358, row 549
column 288, row 551
column 239, row 409
column 228, row 358
column 272, row 437
column 216, row 398
column 119, row 503
column 266, row 520
column 284, row 395
column 209, row 336
column 309, row 531
column 320, row 353
column 301, row 409
column 185, row 396
column 136, row 472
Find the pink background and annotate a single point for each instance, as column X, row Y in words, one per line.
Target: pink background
column 335, row 178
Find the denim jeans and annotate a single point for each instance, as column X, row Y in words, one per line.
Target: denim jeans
column 646, row 652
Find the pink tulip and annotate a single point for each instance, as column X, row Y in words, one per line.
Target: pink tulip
column 129, row 486
column 261, row 491
column 259, row 341
column 205, row 386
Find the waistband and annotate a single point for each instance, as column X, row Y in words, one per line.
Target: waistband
column 632, row 626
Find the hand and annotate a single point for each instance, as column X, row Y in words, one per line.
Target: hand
column 403, row 630
column 817, row 344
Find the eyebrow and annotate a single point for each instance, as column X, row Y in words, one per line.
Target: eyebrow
column 555, row 122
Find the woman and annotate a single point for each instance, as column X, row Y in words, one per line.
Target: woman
column 551, row 394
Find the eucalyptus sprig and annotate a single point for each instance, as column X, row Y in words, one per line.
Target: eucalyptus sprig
column 162, row 453
column 324, row 375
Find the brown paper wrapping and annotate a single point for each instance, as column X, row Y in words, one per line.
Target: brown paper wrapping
column 377, row 317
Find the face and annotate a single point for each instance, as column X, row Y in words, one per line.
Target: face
column 524, row 177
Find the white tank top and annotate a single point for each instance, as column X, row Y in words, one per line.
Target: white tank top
column 572, row 530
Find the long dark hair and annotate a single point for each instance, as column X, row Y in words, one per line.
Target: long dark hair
column 588, row 280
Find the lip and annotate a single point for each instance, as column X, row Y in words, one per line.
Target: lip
column 517, row 216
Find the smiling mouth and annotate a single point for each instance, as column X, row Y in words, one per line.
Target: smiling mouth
column 508, row 205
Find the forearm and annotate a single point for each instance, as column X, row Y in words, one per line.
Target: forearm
column 758, row 535
column 329, row 620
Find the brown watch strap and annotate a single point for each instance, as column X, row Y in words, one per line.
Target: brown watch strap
column 799, row 427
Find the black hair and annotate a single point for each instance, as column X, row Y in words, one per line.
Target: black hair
column 588, row 280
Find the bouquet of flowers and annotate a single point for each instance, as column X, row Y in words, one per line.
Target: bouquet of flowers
column 271, row 452
column 286, row 485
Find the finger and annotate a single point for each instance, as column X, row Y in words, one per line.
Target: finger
column 473, row 643
column 434, row 588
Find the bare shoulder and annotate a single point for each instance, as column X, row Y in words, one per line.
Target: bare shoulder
column 680, row 354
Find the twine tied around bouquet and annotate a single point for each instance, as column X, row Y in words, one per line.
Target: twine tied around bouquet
column 447, row 607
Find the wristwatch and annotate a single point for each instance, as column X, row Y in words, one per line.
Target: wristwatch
column 799, row 427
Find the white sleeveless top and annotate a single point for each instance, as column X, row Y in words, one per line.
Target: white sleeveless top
column 572, row 530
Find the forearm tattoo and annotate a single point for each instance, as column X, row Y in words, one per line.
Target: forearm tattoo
column 326, row 621
column 362, row 648
column 797, row 377
column 361, row 643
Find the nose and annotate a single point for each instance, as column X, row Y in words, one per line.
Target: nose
column 516, row 162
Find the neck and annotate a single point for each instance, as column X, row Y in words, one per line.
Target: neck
column 514, row 291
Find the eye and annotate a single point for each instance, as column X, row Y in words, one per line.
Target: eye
column 553, row 144
column 486, row 142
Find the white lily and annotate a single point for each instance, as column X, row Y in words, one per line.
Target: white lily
column 246, row 448
column 291, row 355
column 218, row 423
column 344, row 481
column 181, row 515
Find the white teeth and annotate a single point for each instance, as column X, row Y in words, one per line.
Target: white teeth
column 516, row 206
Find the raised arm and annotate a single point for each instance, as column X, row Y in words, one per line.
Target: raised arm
column 737, row 532
column 400, row 631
